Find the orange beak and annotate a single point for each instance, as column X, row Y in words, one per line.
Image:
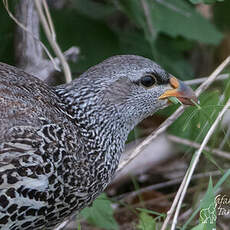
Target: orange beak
column 181, row 91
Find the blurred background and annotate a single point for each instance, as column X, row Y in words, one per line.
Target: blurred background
column 189, row 38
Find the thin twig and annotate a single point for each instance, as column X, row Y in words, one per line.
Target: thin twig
column 213, row 76
column 71, row 54
column 173, row 206
column 5, row 3
column 174, row 116
column 195, row 162
column 201, row 80
column 165, row 184
column 49, row 19
column 196, row 145
column 53, row 42
column 158, row 200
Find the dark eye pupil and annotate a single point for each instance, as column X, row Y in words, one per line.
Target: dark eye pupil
column 147, row 81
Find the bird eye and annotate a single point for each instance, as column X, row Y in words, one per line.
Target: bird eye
column 148, row 81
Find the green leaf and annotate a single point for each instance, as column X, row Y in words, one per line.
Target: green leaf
column 199, row 227
column 92, row 9
column 209, row 195
column 95, row 39
column 221, row 15
column 134, row 42
column 146, row 222
column 7, row 34
column 158, row 214
column 170, row 54
column 208, row 208
column 79, row 226
column 134, row 10
column 100, row 214
column 164, row 15
column 226, row 91
column 175, row 18
column 179, row 18
column 216, row 187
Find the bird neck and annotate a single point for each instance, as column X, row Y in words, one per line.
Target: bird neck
column 99, row 125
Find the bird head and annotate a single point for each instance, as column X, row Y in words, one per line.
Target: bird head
column 136, row 86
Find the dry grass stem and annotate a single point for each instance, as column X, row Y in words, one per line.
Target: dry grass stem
column 70, row 54
column 174, row 204
column 212, row 77
column 49, row 19
column 202, row 87
column 196, row 145
column 158, row 200
column 127, row 196
column 195, row 162
column 196, row 81
column 51, row 40
column 6, row 5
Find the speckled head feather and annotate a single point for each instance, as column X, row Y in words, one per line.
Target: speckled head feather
column 131, row 66
column 60, row 146
column 116, row 83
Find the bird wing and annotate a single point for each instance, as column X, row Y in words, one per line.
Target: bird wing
column 35, row 133
column 21, row 163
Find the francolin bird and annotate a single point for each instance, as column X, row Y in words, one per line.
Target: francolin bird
column 60, row 146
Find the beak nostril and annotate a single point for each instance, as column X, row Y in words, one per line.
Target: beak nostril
column 174, row 82
column 181, row 91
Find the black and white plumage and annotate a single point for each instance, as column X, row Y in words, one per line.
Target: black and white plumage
column 60, row 146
